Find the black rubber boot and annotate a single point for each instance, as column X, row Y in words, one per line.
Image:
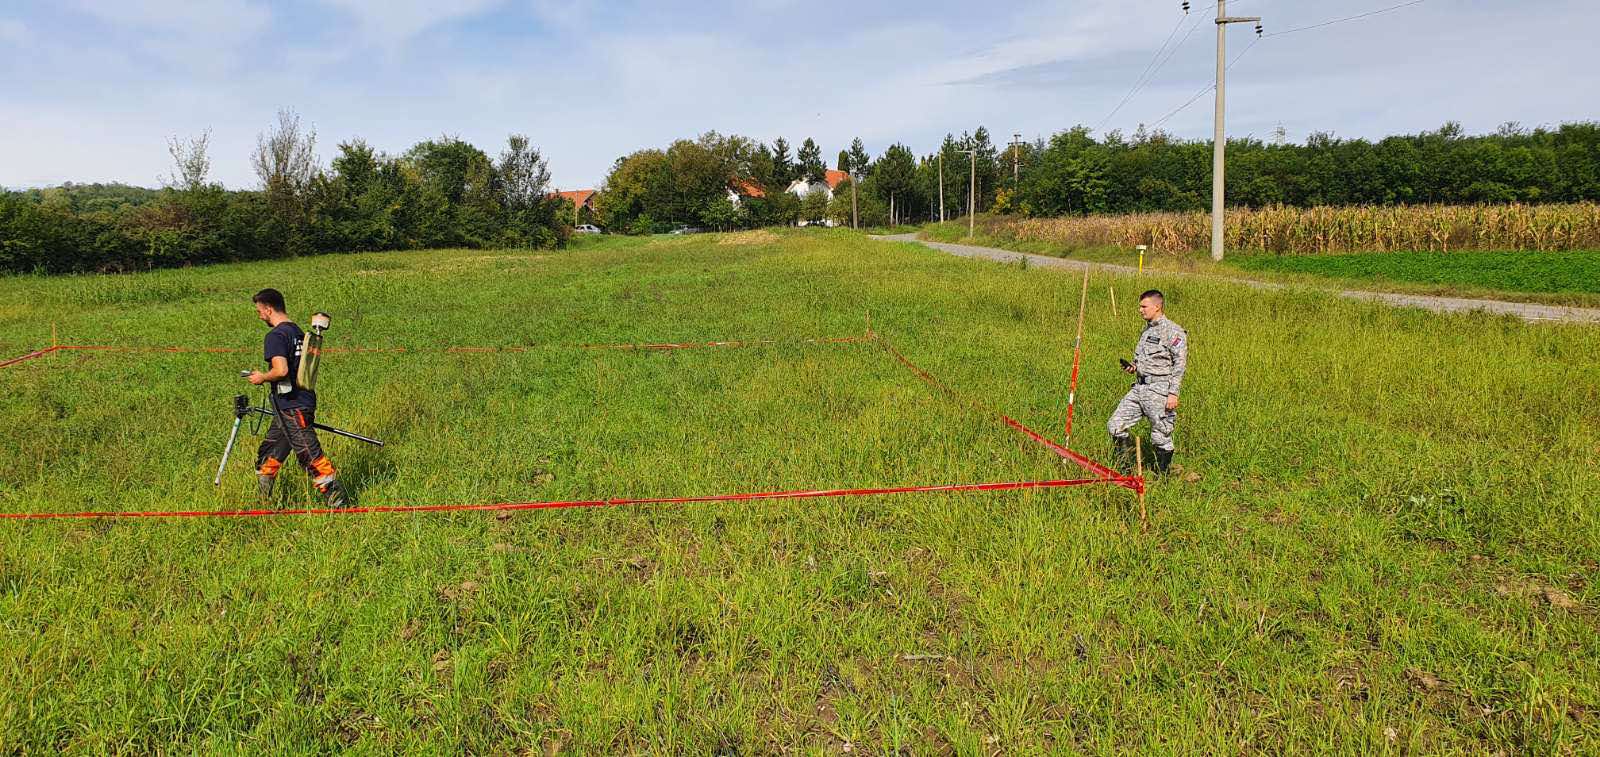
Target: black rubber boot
column 1163, row 462
column 1122, row 454
column 264, row 489
column 336, row 495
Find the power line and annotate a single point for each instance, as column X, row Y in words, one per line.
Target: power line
column 1207, row 89
column 1347, row 18
column 1140, row 82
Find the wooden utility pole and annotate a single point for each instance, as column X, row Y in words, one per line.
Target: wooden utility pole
column 941, row 184
column 855, row 210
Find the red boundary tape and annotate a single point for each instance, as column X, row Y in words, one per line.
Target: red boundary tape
column 511, row 506
column 1105, row 475
column 453, row 349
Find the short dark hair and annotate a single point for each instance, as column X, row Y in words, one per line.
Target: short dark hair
column 1153, row 294
column 272, row 298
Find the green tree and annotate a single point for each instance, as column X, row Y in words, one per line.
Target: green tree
column 860, row 162
column 809, row 162
column 783, row 170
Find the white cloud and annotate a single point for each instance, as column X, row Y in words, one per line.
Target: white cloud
column 390, row 23
column 202, row 36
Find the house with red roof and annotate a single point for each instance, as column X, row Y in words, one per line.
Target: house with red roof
column 739, row 189
column 831, row 179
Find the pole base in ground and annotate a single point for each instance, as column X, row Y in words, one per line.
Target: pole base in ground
column 1138, row 462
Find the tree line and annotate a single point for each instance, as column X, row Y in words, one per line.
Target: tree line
column 1075, row 173
column 440, row 193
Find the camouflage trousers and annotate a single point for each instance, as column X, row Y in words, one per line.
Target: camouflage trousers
column 1145, row 401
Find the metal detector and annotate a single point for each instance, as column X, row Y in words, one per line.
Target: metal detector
column 306, row 378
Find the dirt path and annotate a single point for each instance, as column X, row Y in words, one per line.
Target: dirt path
column 1524, row 310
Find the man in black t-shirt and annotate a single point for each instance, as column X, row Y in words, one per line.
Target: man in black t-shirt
column 294, row 408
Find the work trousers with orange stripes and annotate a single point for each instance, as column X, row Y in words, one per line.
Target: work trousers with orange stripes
column 292, row 430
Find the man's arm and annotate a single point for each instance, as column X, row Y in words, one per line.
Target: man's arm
column 278, row 370
column 1179, row 347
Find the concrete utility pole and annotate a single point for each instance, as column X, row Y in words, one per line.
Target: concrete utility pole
column 1219, row 141
column 941, row 184
column 1016, row 143
column 972, row 194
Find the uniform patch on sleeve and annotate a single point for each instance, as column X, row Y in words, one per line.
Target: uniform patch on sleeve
column 1177, row 340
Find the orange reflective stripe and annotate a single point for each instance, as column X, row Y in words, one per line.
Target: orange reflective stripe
column 270, row 467
column 302, row 416
column 323, row 466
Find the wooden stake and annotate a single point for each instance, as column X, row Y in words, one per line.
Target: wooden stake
column 1113, row 288
column 1138, row 462
column 1077, row 354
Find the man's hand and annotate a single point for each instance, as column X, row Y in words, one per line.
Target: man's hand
column 257, row 378
column 1172, row 402
column 1128, row 367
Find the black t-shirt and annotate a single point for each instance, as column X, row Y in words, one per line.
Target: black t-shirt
column 286, row 340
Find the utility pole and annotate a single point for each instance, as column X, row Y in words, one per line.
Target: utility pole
column 1219, row 141
column 1016, row 143
column 855, row 210
column 941, row 184
column 972, row 194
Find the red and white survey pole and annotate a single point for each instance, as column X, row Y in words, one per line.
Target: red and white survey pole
column 1077, row 354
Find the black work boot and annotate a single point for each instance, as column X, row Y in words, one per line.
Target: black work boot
column 1122, row 454
column 264, row 489
column 336, row 495
column 1163, row 461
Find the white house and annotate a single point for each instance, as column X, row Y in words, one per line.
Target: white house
column 831, row 179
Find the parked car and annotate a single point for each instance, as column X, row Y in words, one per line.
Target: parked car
column 587, row 228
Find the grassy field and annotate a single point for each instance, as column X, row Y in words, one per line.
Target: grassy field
column 1384, row 539
column 1556, row 278
column 1532, row 272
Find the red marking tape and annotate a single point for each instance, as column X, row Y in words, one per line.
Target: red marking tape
column 556, row 505
column 457, row 349
column 29, row 356
column 1106, row 474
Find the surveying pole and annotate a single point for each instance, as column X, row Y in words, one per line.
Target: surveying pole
column 1219, row 142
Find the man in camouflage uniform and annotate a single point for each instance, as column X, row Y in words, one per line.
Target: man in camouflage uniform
column 1159, row 359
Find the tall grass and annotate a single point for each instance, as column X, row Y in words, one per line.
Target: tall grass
column 1385, row 540
column 1324, row 230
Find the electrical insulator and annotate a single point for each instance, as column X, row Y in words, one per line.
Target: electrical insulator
column 1185, row 6
column 1258, row 28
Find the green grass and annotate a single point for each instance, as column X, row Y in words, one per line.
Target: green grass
column 1385, row 541
column 1532, row 272
column 1556, row 278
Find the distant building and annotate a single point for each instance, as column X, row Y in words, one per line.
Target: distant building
column 581, row 198
column 830, row 180
column 742, row 188
column 582, row 201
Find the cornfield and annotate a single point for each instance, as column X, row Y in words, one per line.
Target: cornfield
column 1324, row 230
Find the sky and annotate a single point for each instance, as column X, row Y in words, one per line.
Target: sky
column 92, row 90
